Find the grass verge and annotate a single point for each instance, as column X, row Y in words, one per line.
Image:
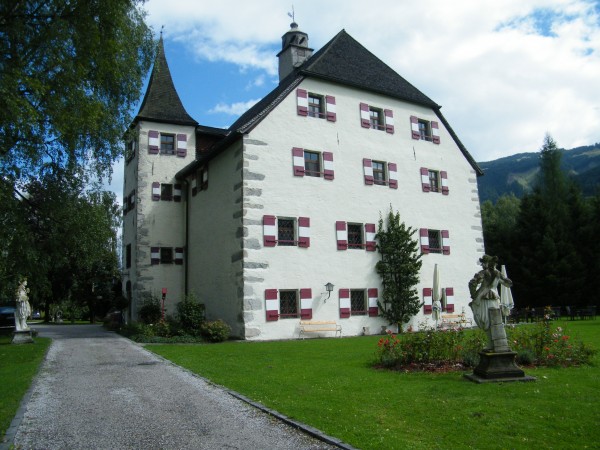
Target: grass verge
column 18, row 366
column 329, row 384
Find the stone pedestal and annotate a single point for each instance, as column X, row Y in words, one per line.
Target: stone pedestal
column 22, row 337
column 498, row 367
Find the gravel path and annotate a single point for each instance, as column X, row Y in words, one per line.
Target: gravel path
column 97, row 390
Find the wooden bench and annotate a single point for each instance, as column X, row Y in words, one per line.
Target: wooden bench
column 318, row 326
column 451, row 319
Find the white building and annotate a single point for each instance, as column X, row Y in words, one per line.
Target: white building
column 256, row 219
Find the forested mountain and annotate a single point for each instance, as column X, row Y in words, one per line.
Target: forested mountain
column 517, row 173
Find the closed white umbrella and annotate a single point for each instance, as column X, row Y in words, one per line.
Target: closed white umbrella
column 437, row 306
column 506, row 298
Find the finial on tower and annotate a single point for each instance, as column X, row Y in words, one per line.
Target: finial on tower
column 293, row 16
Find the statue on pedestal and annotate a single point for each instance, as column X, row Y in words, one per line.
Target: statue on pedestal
column 484, row 294
column 496, row 361
column 23, row 308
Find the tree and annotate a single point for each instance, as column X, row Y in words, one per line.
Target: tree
column 399, row 270
column 550, row 269
column 499, row 222
column 71, row 71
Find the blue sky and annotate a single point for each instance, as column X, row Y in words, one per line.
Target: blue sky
column 505, row 72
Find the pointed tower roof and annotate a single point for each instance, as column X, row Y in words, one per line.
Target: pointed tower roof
column 161, row 102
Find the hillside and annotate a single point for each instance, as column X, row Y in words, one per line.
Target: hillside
column 517, row 173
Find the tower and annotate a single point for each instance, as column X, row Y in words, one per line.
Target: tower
column 160, row 142
column 294, row 50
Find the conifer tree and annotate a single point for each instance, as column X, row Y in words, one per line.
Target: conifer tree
column 399, row 270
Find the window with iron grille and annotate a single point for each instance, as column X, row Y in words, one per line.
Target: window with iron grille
column 378, row 172
column 286, row 231
column 425, row 130
column 312, row 164
column 355, row 236
column 166, row 191
column 167, row 144
column 357, row 302
column 315, row 105
column 288, row 304
column 166, row 255
column 434, row 180
column 435, row 241
column 376, row 116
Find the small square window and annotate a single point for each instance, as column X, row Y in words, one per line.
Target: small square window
column 435, row 241
column 355, row 236
column 376, row 116
column 357, row 302
column 286, row 231
column 379, row 172
column 166, row 255
column 166, row 191
column 425, row 130
column 167, row 144
column 434, row 180
column 288, row 304
column 316, row 105
column 202, row 178
column 312, row 164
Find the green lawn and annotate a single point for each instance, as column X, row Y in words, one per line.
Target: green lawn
column 18, row 366
column 329, row 384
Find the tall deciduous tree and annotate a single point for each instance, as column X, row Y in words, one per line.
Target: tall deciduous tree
column 399, row 270
column 71, row 71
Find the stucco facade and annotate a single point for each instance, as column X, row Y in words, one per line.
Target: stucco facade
column 250, row 186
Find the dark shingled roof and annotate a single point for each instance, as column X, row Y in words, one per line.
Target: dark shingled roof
column 161, row 102
column 342, row 60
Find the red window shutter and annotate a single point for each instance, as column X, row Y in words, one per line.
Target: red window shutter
column 427, row 300
column 302, row 102
column 425, row 179
column 328, row 165
column 414, row 127
column 444, row 177
column 373, row 295
column 269, row 231
column 331, row 110
column 389, row 121
column 446, row 242
column 393, row 175
column 365, row 118
column 153, row 142
column 154, row 255
column 177, row 192
column 182, row 145
column 304, row 232
column 342, row 235
column 344, row 303
column 424, row 239
column 435, row 132
column 272, row 304
column 155, row 191
column 179, row 255
column 298, row 161
column 370, row 237
column 306, row 304
column 450, row 300
column 368, row 171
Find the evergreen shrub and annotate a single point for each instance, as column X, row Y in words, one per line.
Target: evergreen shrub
column 215, row 331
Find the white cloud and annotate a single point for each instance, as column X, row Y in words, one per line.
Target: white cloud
column 234, row 109
column 505, row 72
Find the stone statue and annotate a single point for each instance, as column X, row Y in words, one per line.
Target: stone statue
column 23, row 309
column 485, row 299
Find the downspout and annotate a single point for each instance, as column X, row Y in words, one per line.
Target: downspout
column 186, row 246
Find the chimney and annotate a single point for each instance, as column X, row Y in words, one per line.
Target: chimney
column 294, row 50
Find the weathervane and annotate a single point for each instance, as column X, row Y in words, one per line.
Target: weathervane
column 292, row 14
